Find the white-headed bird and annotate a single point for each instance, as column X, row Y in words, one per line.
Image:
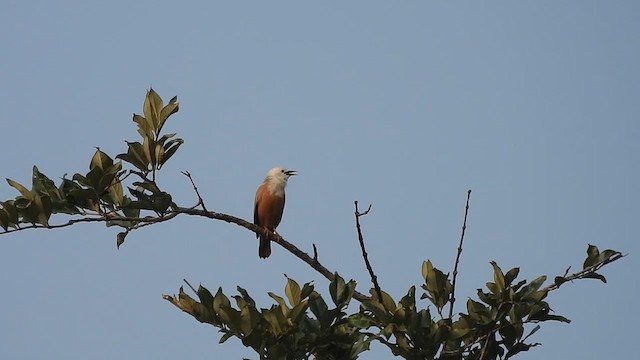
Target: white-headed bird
column 269, row 205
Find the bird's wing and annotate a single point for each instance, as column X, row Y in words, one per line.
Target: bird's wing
column 256, row 219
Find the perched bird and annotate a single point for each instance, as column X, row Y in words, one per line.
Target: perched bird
column 269, row 205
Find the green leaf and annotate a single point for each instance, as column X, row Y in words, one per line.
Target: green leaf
column 147, row 185
column 161, row 202
column 436, row 284
column 220, row 301
column 23, row 190
column 144, row 128
column 595, row 276
column 43, row 185
column 4, row 219
column 336, row 288
column 226, row 337
column 592, row 256
column 12, row 212
column 43, row 208
column 292, row 290
column 298, row 311
column 498, row 277
column 170, row 109
column 559, row 280
column 387, row 301
column 510, row 276
column 531, row 287
column 151, row 108
column 158, row 154
column 101, row 161
column 136, row 156
column 409, row 300
column 205, row 297
column 245, row 296
column 282, row 304
column 169, row 149
column 148, row 147
column 120, row 238
column 307, row 289
column 317, row 305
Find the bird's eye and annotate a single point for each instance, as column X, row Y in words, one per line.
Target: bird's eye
column 282, row 170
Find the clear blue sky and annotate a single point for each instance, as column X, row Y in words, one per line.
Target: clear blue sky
column 535, row 106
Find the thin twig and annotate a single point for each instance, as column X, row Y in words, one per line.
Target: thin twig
column 195, row 188
column 374, row 278
column 192, row 288
column 452, row 299
column 486, row 344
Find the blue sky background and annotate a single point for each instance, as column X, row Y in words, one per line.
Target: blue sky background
column 535, row 106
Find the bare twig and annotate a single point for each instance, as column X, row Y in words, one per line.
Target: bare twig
column 452, row 299
column 195, row 188
column 374, row 278
column 192, row 288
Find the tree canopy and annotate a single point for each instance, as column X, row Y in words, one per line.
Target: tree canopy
column 498, row 323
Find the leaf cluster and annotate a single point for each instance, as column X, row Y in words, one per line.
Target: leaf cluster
column 495, row 325
column 301, row 326
column 99, row 192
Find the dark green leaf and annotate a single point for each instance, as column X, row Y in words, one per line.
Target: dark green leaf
column 4, row 219
column 336, row 288
column 120, row 238
column 43, row 185
column 592, row 256
column 12, row 212
column 161, row 202
column 510, row 276
column 595, row 276
column 317, row 305
column 246, row 297
column 169, row 149
column 220, row 301
column 205, row 297
column 226, row 337
column 43, row 207
column 559, row 280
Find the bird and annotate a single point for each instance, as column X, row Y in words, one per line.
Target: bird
column 269, row 205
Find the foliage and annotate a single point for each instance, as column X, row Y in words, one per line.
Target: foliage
column 100, row 191
column 495, row 325
column 284, row 331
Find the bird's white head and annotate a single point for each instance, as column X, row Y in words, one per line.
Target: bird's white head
column 279, row 176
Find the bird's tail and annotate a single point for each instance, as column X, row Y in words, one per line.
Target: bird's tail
column 265, row 247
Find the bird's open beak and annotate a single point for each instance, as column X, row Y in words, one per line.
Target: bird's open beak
column 291, row 172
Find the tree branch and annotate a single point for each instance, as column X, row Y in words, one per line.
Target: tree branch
column 584, row 273
column 365, row 256
column 452, row 299
column 150, row 220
